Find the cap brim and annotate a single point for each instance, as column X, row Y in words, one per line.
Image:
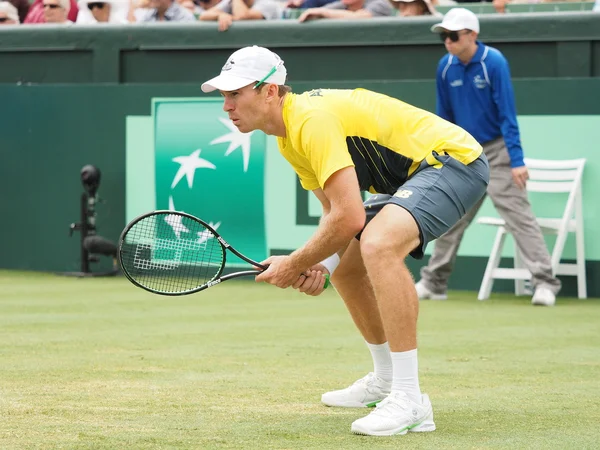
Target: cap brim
column 439, row 27
column 225, row 82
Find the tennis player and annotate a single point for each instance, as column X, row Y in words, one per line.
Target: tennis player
column 425, row 172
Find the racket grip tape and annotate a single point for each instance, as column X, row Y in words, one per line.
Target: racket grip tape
column 327, row 283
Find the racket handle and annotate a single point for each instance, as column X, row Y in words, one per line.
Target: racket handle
column 327, row 283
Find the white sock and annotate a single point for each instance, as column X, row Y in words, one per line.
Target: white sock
column 406, row 374
column 382, row 363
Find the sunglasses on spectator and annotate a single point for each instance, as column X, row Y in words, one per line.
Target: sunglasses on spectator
column 98, row 5
column 3, row 19
column 51, row 5
column 453, row 35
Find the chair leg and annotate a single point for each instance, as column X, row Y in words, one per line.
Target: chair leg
column 493, row 263
column 580, row 250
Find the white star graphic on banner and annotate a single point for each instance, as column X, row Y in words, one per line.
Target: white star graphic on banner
column 174, row 220
column 188, row 167
column 206, row 235
column 236, row 140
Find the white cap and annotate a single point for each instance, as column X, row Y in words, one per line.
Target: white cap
column 10, row 11
column 457, row 19
column 246, row 66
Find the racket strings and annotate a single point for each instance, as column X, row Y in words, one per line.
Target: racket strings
column 171, row 253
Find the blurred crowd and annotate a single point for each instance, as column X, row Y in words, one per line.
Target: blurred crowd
column 224, row 12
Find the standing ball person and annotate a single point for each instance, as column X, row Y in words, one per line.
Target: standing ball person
column 474, row 91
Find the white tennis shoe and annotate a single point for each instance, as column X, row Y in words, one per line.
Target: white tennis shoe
column 425, row 294
column 543, row 297
column 396, row 414
column 364, row 393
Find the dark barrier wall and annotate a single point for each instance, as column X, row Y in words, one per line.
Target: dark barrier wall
column 65, row 95
column 537, row 45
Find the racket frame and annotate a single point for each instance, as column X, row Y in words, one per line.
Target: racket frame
column 224, row 247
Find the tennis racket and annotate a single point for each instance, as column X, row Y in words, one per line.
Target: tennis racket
column 174, row 253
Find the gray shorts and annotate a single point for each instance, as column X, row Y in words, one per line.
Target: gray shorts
column 436, row 197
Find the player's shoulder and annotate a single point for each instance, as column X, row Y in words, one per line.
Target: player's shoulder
column 318, row 102
column 492, row 54
column 312, row 108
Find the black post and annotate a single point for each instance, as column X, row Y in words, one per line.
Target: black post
column 91, row 245
column 85, row 263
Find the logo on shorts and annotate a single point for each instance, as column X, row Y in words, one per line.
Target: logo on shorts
column 404, row 193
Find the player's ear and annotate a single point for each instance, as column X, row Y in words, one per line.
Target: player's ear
column 272, row 92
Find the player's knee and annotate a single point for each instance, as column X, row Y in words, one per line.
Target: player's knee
column 373, row 247
column 378, row 248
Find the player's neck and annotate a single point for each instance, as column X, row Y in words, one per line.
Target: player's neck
column 275, row 125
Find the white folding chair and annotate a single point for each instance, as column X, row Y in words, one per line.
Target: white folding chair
column 546, row 176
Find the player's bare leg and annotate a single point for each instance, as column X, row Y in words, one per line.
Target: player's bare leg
column 385, row 243
column 352, row 283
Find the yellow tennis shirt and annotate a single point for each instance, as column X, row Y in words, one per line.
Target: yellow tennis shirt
column 384, row 138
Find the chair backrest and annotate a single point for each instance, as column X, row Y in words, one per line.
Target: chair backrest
column 554, row 175
column 559, row 176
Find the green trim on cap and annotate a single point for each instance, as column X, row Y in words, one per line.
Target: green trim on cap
column 273, row 70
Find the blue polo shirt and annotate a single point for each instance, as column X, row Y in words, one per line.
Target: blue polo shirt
column 479, row 97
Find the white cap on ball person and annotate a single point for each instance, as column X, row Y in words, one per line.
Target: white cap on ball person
column 246, row 66
column 457, row 19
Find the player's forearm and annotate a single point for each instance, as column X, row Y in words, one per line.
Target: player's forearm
column 333, row 234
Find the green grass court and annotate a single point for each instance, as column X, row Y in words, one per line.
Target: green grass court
column 100, row 364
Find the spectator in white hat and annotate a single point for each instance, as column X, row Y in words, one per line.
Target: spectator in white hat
column 104, row 11
column 8, row 14
column 409, row 8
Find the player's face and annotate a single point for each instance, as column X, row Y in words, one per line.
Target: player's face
column 246, row 108
column 457, row 42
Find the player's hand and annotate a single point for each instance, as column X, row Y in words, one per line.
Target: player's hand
column 225, row 20
column 520, row 176
column 281, row 272
column 313, row 283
